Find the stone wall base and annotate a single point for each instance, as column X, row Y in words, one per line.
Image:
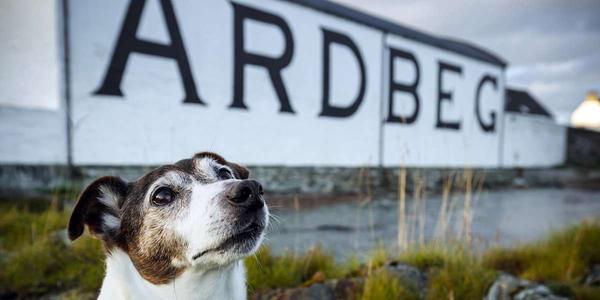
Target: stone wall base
column 19, row 180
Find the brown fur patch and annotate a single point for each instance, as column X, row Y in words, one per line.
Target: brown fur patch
column 150, row 246
column 155, row 258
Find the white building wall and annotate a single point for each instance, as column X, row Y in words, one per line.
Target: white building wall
column 152, row 125
column 422, row 144
column 533, row 141
column 32, row 115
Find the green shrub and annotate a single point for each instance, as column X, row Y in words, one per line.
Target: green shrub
column 20, row 227
column 586, row 293
column 47, row 265
column 35, row 259
column 453, row 271
column 563, row 257
column 425, row 257
column 267, row 271
column 383, row 285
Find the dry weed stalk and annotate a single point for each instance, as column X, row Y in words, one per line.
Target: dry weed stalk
column 416, row 207
column 467, row 209
column 442, row 224
column 422, row 212
column 297, row 224
column 402, row 241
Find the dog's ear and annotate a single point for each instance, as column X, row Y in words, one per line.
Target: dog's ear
column 240, row 171
column 98, row 207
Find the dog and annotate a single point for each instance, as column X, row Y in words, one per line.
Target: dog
column 178, row 232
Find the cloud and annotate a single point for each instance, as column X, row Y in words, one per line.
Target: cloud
column 561, row 85
column 552, row 46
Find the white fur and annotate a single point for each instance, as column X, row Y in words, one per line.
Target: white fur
column 205, row 167
column 205, row 226
column 122, row 281
column 110, row 221
column 109, row 198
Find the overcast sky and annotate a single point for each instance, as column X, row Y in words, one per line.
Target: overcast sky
column 552, row 47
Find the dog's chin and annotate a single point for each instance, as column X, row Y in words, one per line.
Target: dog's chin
column 245, row 241
column 242, row 243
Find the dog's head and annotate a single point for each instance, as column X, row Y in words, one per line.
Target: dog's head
column 201, row 212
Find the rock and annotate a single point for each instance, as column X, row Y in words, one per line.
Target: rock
column 593, row 277
column 508, row 287
column 341, row 289
column 408, row 274
column 537, row 292
column 314, row 292
column 318, row 291
column 505, row 286
column 347, row 288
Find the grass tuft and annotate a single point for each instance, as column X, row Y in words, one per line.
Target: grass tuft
column 266, row 271
column 460, row 277
column 383, row 285
column 425, row 257
column 37, row 259
column 563, row 257
column 586, row 293
column 453, row 271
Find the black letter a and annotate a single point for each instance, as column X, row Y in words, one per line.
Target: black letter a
column 129, row 43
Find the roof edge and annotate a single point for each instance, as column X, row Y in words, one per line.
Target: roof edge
column 462, row 48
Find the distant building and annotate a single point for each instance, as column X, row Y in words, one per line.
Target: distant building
column 532, row 138
column 587, row 114
column 518, row 101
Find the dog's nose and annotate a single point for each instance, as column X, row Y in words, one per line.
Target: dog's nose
column 247, row 193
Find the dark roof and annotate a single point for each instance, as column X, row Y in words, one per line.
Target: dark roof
column 455, row 46
column 523, row 102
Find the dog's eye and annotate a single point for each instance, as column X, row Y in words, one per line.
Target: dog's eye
column 224, row 173
column 163, row 196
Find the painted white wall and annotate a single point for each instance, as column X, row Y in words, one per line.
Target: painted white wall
column 153, row 124
column 32, row 136
column 150, row 125
column 32, row 116
column 30, row 57
column 533, row 141
column 421, row 144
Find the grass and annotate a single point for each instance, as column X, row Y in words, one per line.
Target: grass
column 267, row 271
column 563, row 258
column 459, row 276
column 36, row 259
column 454, row 272
column 382, row 285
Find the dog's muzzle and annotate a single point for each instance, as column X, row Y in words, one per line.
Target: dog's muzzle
column 249, row 218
